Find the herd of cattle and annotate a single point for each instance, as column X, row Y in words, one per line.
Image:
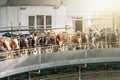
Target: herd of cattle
column 49, row 41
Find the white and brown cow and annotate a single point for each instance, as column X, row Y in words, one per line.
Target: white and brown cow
column 9, row 43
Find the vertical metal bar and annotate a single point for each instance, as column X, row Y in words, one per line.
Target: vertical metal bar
column 7, row 13
column 29, row 76
column 113, row 23
column 8, row 78
column 11, row 29
column 79, row 73
column 106, row 42
column 86, row 54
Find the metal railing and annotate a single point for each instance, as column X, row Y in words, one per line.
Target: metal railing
column 55, row 48
column 61, row 58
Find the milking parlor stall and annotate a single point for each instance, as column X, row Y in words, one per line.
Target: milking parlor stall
column 59, row 39
column 38, row 27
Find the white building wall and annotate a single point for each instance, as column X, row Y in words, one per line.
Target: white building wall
column 14, row 15
column 8, row 16
column 33, row 11
column 58, row 15
column 3, row 17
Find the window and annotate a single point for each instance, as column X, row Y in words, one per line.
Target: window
column 31, row 20
column 40, row 22
column 48, row 22
column 31, row 23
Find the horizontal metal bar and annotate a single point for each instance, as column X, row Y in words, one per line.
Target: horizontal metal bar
column 13, row 29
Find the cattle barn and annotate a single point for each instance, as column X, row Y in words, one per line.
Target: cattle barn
column 59, row 39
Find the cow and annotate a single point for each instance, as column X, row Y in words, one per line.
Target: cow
column 9, row 43
column 75, row 41
column 62, row 39
column 111, row 39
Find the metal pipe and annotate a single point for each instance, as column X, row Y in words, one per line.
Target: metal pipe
column 79, row 73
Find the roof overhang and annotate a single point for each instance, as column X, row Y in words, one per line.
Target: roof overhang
column 32, row 2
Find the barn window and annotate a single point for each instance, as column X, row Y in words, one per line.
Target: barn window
column 48, row 21
column 31, row 23
column 31, row 20
column 40, row 19
column 40, row 22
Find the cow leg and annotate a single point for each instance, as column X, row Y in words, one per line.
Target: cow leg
column 18, row 53
column 8, row 55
